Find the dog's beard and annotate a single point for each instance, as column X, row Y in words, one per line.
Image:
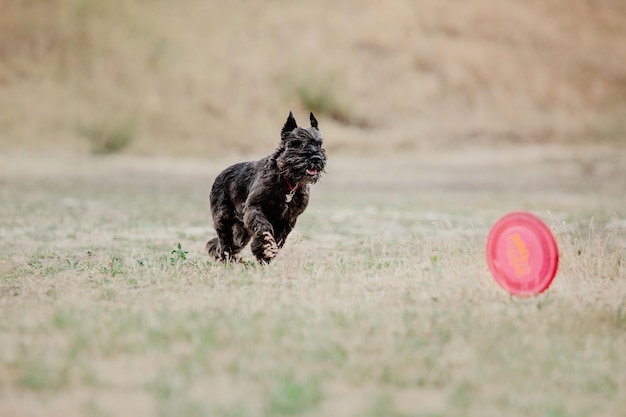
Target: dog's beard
column 301, row 169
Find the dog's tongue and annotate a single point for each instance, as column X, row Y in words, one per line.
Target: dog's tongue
column 311, row 171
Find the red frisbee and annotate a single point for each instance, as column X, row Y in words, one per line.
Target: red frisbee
column 522, row 254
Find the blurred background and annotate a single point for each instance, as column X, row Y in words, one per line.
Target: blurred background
column 214, row 78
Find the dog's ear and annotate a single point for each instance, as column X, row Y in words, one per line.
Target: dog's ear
column 289, row 126
column 313, row 121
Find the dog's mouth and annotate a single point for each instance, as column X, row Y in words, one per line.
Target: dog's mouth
column 312, row 172
column 315, row 166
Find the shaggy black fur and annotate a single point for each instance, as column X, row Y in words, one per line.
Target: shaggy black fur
column 261, row 200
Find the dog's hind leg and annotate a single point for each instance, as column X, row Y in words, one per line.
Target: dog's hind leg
column 213, row 248
column 227, row 247
column 231, row 238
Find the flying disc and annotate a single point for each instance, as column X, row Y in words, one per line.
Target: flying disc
column 522, row 254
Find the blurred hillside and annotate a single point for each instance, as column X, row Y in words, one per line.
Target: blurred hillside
column 213, row 77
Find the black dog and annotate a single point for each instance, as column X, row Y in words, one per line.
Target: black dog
column 261, row 200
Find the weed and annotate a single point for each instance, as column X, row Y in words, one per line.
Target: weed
column 178, row 255
column 63, row 320
column 107, row 137
column 91, row 409
column 462, row 395
column 383, row 406
column 334, row 353
column 170, row 391
column 37, row 374
column 107, row 294
column 115, row 267
column 321, row 98
column 290, row 397
column 35, row 263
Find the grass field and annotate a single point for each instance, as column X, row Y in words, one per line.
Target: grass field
column 380, row 305
column 439, row 117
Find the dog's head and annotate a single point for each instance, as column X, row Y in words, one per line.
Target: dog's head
column 301, row 156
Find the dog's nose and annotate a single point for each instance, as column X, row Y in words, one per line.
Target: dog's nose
column 316, row 159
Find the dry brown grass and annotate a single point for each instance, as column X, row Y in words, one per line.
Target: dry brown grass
column 219, row 77
column 380, row 305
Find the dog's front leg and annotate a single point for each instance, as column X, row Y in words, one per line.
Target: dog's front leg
column 281, row 234
column 263, row 245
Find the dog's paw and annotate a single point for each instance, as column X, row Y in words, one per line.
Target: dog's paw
column 270, row 248
column 228, row 258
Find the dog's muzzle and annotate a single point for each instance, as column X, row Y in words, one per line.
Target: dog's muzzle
column 316, row 165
